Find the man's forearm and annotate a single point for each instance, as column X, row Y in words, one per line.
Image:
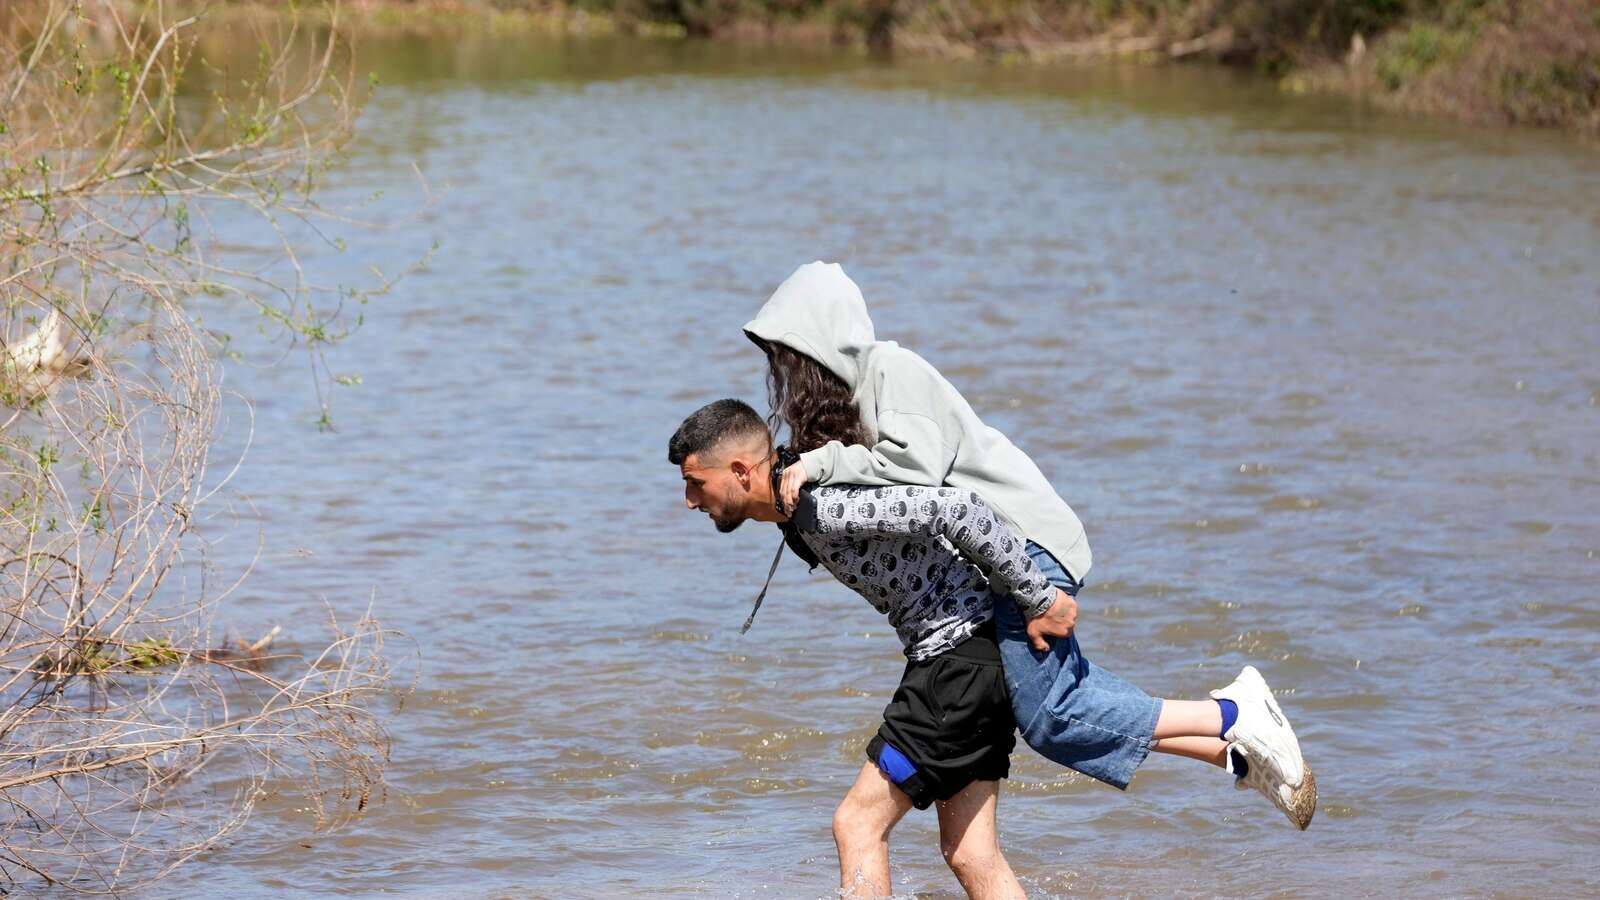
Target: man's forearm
column 982, row 536
column 959, row 516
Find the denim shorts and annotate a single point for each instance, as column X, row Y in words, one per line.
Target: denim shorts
column 1068, row 709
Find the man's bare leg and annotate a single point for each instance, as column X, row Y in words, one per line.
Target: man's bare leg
column 971, row 844
column 861, row 827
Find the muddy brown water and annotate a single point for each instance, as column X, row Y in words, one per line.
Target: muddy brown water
column 1321, row 383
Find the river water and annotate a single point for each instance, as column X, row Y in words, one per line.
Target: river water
column 1321, row 383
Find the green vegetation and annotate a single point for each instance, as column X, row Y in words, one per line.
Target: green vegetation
column 1506, row 61
column 1411, row 51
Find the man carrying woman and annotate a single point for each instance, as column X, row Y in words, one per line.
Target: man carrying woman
column 860, row 411
column 940, row 565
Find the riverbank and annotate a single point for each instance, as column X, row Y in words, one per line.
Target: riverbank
column 1503, row 62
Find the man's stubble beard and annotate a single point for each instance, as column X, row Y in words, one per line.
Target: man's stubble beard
column 727, row 525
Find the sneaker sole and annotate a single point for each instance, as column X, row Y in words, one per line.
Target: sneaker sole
column 1302, row 803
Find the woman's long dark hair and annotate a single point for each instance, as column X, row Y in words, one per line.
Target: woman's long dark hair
column 814, row 403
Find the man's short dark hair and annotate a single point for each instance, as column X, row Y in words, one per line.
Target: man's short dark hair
column 712, row 424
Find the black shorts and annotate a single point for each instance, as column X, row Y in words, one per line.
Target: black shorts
column 951, row 716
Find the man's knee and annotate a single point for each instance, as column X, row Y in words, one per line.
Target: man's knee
column 842, row 833
column 854, row 825
column 970, row 859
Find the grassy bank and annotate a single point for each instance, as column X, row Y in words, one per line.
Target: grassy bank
column 1533, row 62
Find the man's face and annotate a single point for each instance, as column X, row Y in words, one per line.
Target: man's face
column 711, row 486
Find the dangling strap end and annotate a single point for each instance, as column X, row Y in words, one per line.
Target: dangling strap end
column 763, row 595
column 749, row 620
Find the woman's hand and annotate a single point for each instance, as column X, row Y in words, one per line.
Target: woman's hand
column 794, row 478
column 1056, row 622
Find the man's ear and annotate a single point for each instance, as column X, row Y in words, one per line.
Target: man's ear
column 747, row 461
column 741, row 470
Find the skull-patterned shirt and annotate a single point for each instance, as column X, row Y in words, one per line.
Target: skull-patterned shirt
column 930, row 558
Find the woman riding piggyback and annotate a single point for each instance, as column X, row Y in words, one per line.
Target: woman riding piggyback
column 918, row 427
column 861, row 411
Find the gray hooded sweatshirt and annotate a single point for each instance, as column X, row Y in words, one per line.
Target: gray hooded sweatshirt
column 927, row 434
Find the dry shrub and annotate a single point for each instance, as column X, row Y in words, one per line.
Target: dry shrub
column 126, row 745
column 1534, row 62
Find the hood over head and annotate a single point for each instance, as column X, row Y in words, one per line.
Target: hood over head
column 818, row 311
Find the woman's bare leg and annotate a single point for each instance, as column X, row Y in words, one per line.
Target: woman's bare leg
column 1190, row 728
column 1206, row 749
column 1189, row 718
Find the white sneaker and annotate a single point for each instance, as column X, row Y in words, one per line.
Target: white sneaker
column 1298, row 803
column 1262, row 729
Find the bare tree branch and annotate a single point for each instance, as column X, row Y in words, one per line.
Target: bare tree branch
column 129, row 741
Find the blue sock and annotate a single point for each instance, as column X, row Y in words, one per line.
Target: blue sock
column 1238, row 763
column 1230, row 715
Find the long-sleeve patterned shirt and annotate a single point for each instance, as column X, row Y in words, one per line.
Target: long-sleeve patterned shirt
column 926, row 557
